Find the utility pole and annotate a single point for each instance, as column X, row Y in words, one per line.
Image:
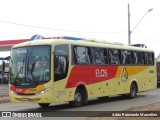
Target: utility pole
column 129, row 31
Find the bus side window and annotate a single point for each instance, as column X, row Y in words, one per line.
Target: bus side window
column 99, row 56
column 135, row 57
column 139, row 58
column 126, row 57
column 149, row 58
column 114, row 57
column 145, row 58
column 75, row 57
column 82, row 55
column 123, row 57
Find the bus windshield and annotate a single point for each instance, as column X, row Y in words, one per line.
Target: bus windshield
column 29, row 66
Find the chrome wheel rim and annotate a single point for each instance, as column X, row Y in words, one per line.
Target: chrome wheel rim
column 78, row 97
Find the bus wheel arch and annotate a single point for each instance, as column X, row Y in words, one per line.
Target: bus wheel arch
column 133, row 90
column 80, row 96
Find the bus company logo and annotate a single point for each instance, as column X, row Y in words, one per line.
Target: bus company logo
column 19, row 90
column 124, row 74
column 101, row 73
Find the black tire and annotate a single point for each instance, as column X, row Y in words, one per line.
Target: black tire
column 133, row 91
column 79, row 98
column 44, row 104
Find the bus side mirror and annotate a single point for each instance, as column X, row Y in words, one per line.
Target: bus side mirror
column 3, row 66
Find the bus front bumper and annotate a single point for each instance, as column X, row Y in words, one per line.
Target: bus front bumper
column 45, row 97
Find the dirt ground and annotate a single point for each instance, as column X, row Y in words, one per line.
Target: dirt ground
column 4, row 99
column 152, row 107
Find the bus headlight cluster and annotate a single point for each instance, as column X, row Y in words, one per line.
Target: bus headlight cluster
column 43, row 91
column 12, row 92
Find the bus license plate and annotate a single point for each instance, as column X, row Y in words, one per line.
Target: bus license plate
column 25, row 99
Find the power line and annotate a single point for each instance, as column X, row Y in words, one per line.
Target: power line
column 151, row 39
column 7, row 22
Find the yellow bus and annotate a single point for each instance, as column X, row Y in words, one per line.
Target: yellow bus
column 60, row 70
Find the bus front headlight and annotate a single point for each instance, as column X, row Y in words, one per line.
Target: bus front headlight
column 43, row 91
column 12, row 92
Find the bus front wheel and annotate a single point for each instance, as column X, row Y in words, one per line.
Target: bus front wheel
column 79, row 98
column 43, row 104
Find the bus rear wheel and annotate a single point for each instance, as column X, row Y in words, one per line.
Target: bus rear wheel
column 43, row 104
column 79, row 98
column 133, row 91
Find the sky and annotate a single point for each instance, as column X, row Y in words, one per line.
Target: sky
column 98, row 19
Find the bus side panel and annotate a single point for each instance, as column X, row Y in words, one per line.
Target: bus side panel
column 118, row 79
column 139, row 74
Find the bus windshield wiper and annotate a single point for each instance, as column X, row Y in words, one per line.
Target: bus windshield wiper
column 30, row 71
column 21, row 68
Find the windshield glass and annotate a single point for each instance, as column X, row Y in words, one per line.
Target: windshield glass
column 30, row 65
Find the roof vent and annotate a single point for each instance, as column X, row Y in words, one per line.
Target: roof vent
column 139, row 45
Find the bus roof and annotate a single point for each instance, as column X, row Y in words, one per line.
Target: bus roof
column 87, row 42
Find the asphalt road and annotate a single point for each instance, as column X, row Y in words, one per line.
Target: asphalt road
column 115, row 103
column 4, row 89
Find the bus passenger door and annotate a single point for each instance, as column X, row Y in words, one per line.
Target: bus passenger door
column 59, row 90
column 61, row 64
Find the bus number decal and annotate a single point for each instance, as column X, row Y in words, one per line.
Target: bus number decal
column 101, row 73
column 61, row 93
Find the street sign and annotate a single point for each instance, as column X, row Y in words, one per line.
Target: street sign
column 36, row 37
